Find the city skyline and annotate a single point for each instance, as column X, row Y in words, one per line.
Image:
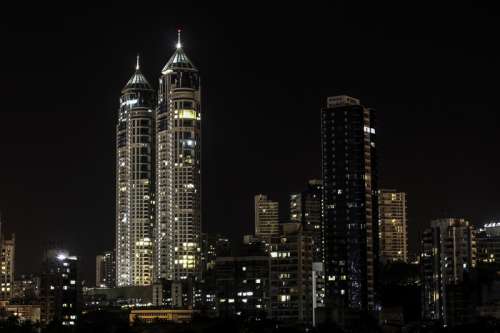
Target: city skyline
column 232, row 131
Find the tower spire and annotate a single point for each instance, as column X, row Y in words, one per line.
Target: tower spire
column 178, row 45
column 137, row 65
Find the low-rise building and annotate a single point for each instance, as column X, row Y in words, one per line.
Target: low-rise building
column 26, row 289
column 155, row 315
column 24, row 312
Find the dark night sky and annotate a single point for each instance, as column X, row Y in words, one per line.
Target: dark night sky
column 431, row 73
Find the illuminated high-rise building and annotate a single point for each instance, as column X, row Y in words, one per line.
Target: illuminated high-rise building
column 178, row 170
column 305, row 208
column 266, row 216
column 350, row 204
column 60, row 288
column 392, row 226
column 449, row 254
column 134, row 183
column 7, row 257
column 290, row 275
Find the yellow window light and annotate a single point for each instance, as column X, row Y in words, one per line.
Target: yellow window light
column 187, row 114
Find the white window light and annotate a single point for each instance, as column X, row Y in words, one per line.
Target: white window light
column 284, row 298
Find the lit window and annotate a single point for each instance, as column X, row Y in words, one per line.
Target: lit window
column 187, row 114
column 284, row 298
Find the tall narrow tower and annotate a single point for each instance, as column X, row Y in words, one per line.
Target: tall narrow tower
column 350, row 204
column 178, row 169
column 134, row 183
column 448, row 258
column 305, row 208
column 392, row 225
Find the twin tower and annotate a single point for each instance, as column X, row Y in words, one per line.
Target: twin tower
column 158, row 176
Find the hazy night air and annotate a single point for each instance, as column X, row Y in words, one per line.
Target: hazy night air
column 266, row 71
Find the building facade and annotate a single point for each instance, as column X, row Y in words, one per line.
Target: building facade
column 134, row 183
column 105, row 270
column 488, row 244
column 7, row 260
column 306, row 209
column 266, row 216
column 26, row 289
column 242, row 286
column 393, row 226
column 213, row 246
column 150, row 316
column 24, row 312
column 350, row 204
column 60, row 288
column 178, row 170
column 448, row 255
column 291, row 279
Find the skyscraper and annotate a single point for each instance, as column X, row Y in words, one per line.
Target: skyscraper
column 350, row 204
column 134, row 183
column 7, row 260
column 60, row 288
column 178, row 169
column 305, row 208
column 392, row 225
column 266, row 216
column 290, row 275
column 448, row 254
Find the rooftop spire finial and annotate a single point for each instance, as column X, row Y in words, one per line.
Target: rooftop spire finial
column 137, row 65
column 178, row 45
